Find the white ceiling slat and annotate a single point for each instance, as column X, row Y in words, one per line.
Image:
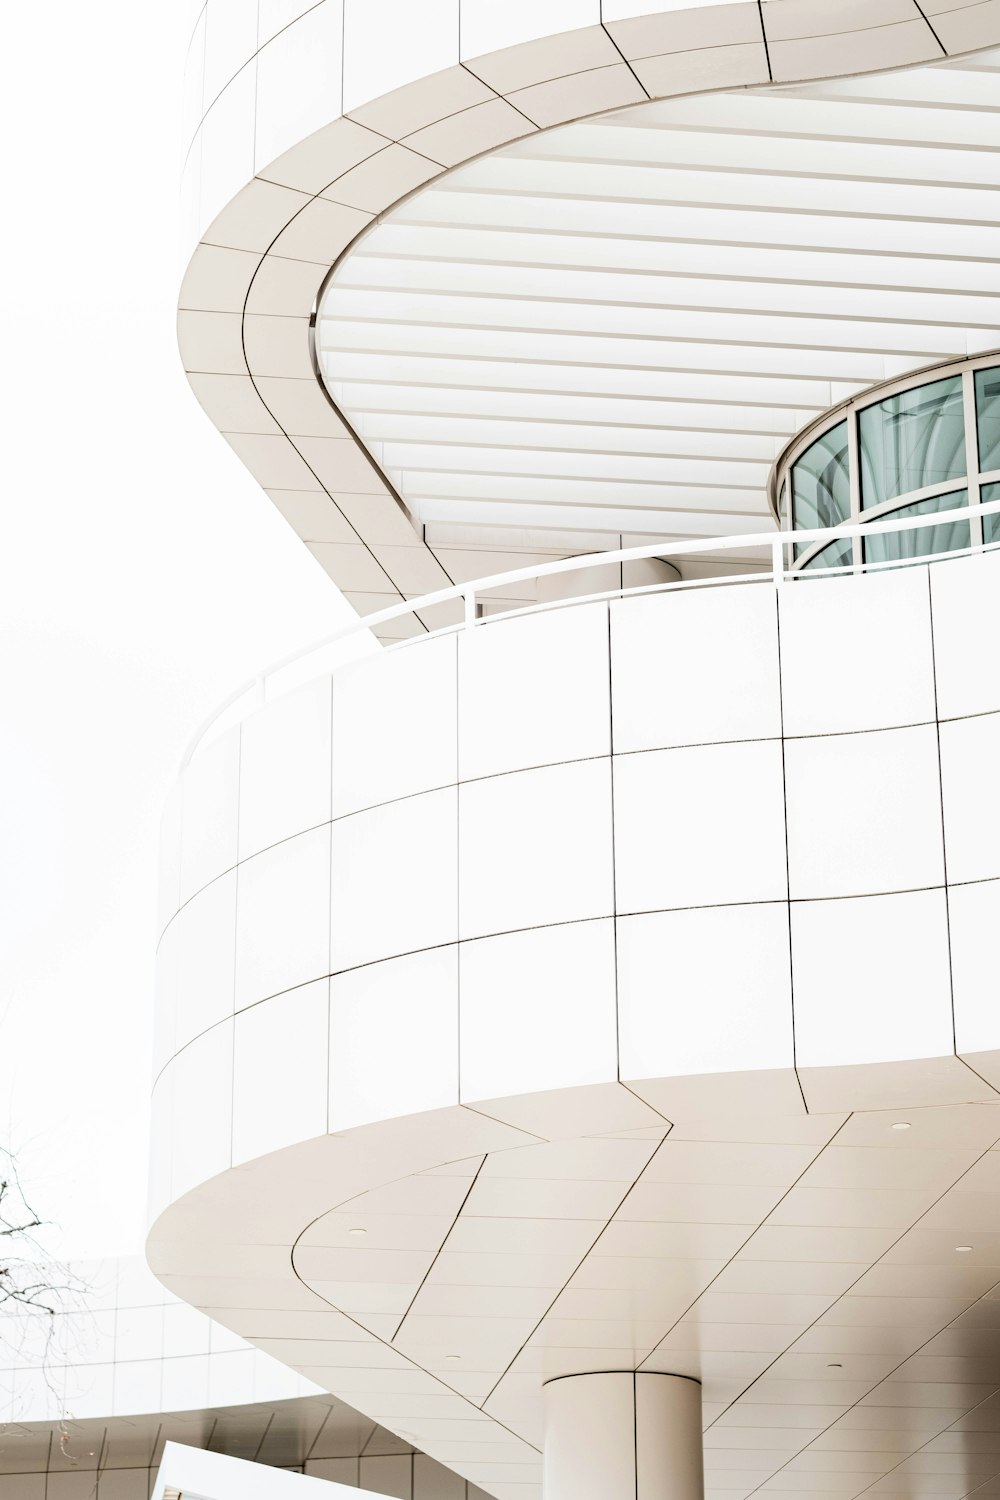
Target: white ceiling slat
column 600, row 320
column 657, row 257
column 352, row 364
column 606, row 351
column 930, row 307
column 425, row 402
column 419, row 431
column 632, row 315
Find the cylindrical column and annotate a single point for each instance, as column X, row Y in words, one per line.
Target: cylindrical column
column 623, row 1435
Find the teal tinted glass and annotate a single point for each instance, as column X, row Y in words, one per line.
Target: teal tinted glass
column 821, row 491
column 838, row 554
column 925, row 541
column 988, row 419
column 991, row 524
column 911, row 440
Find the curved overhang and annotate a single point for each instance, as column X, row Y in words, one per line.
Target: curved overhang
column 445, row 85
column 590, row 1033
column 611, row 328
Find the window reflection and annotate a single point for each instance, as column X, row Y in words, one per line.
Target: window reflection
column 991, row 524
column 925, row 541
column 912, row 440
column 988, row 419
column 821, row 486
column 838, row 554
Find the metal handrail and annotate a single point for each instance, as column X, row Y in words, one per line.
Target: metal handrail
column 778, row 573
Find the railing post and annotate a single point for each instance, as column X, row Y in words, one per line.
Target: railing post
column 470, row 608
column 777, row 563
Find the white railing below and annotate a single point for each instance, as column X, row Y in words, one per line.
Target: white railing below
column 308, row 662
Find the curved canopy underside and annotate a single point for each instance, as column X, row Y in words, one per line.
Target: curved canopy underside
column 612, row 329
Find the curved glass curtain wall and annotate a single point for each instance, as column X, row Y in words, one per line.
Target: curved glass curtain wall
column 932, row 446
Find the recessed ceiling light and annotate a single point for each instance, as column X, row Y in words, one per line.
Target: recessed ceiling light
column 357, row 1230
column 963, row 1249
column 453, row 1356
column 835, row 1367
column 901, row 1125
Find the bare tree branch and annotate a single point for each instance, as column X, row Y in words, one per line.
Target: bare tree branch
column 38, row 1297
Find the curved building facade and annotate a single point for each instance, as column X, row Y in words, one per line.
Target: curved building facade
column 577, row 1047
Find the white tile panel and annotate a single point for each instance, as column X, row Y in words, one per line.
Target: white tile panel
column 200, row 945
column 974, row 915
column 274, row 15
column 209, row 813
column 871, row 979
column 300, row 407
column 965, row 27
column 323, row 157
column 695, row 668
column 201, row 1131
column 699, row 827
column 252, row 219
column 578, row 94
column 534, row 691
column 320, row 231
column 856, row 653
column 969, row 751
column 283, row 917
column 826, row 56
column 393, row 1038
column 535, row 848
column 285, row 768
column 313, row 515
column 704, row 991
column 538, row 1011
column 387, row 174
column 280, row 1072
column 285, row 288
column 666, row 25
column 480, row 128
column 864, row 813
column 227, row 162
column 386, row 46
column 230, row 39
column 218, row 279
column 394, row 726
column 394, row 880
column 966, row 602
column 436, row 97
column 298, row 81
column 171, row 823
column 232, row 403
column 212, row 342
column 490, row 28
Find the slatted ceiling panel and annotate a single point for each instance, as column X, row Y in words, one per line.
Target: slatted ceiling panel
column 615, row 327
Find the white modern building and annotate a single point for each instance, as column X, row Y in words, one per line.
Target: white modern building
column 578, row 1038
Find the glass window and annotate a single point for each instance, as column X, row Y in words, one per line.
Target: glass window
column 924, row 541
column 783, row 507
column 821, row 491
column 912, row 440
column 988, row 419
column 838, row 554
column 991, row 524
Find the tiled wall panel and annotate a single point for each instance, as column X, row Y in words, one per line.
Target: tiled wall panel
column 504, row 909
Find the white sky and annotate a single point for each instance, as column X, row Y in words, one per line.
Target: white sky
column 143, row 575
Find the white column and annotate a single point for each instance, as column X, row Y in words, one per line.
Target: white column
column 623, row 1436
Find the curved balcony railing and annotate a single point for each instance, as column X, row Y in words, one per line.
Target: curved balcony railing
column 465, row 599
column 926, row 444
